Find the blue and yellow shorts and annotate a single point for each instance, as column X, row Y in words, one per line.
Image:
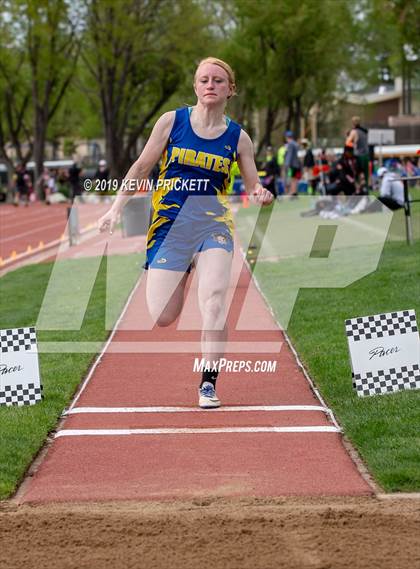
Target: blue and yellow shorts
column 172, row 246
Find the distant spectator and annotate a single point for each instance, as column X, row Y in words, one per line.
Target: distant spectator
column 391, row 191
column 271, row 170
column 51, row 186
column 22, row 185
column 62, row 180
column 343, row 174
column 74, row 174
column 308, row 164
column 291, row 164
column 358, row 138
column 281, row 153
column 362, row 187
column 410, row 170
column 102, row 173
column 323, row 157
column 47, row 184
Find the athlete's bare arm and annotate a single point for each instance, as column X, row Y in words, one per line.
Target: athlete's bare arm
column 141, row 168
column 246, row 163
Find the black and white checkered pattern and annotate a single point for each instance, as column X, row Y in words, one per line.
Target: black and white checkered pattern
column 20, row 395
column 17, row 339
column 380, row 325
column 387, row 381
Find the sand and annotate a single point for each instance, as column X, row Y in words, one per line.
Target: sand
column 294, row 533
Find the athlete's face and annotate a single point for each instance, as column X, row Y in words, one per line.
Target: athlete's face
column 211, row 84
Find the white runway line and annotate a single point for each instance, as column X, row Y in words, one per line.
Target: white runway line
column 289, row 343
column 31, row 232
column 105, row 347
column 168, row 409
column 267, row 248
column 188, row 431
column 156, row 347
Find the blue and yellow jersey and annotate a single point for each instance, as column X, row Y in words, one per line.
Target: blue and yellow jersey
column 193, row 166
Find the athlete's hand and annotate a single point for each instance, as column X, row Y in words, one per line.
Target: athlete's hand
column 261, row 195
column 108, row 221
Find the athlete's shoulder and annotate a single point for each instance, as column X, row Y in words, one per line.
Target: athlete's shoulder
column 244, row 142
column 163, row 126
column 166, row 120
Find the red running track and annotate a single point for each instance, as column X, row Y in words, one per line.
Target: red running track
column 21, row 226
column 150, row 440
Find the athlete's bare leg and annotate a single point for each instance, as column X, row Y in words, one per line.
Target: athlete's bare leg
column 165, row 294
column 213, row 270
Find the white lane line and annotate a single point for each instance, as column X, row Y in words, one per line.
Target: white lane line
column 289, row 343
column 188, row 431
column 155, row 347
column 168, row 409
column 267, row 247
column 34, row 231
column 107, row 343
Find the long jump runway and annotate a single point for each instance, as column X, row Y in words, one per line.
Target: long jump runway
column 134, row 431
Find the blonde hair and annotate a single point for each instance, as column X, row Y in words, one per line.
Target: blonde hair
column 223, row 65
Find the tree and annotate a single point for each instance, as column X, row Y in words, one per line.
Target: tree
column 138, row 53
column 14, row 107
column 15, row 98
column 48, row 33
column 289, row 55
column 395, row 24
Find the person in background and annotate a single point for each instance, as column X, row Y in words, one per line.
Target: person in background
column 46, row 183
column 21, row 179
column 74, row 174
column 410, row 170
column 391, row 191
column 358, row 138
column 271, row 170
column 308, row 164
column 281, row 153
column 291, row 164
column 343, row 175
column 51, row 185
column 102, row 173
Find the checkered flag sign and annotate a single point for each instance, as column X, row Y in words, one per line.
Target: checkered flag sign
column 19, row 367
column 384, row 352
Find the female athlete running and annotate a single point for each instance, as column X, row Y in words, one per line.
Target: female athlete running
column 191, row 219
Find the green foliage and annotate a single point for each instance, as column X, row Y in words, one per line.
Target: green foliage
column 288, row 54
column 15, row 94
column 384, row 429
column 381, row 30
column 138, row 54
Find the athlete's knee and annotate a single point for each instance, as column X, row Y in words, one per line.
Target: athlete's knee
column 165, row 320
column 163, row 317
column 213, row 305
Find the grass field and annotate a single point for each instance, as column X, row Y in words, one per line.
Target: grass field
column 24, row 429
column 384, row 429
